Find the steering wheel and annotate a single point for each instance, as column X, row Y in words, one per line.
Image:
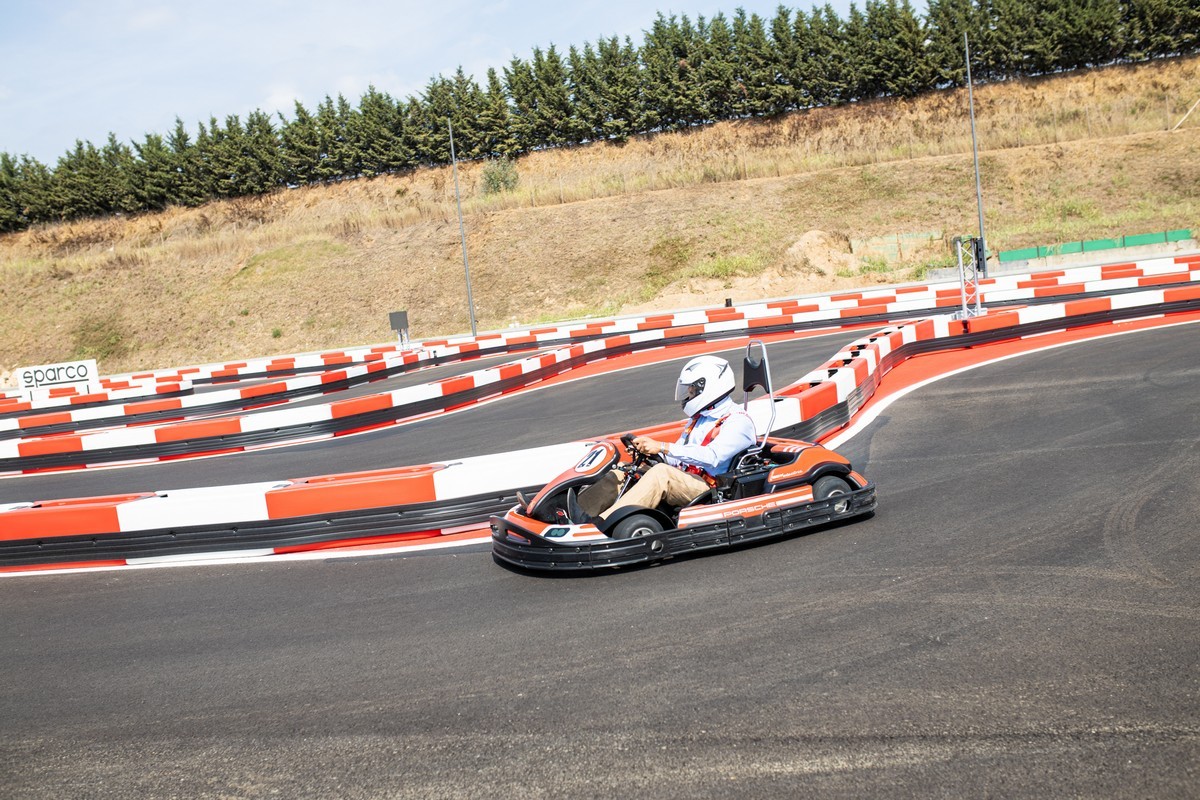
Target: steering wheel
column 640, row 458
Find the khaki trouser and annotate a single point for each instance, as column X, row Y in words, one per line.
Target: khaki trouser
column 661, row 482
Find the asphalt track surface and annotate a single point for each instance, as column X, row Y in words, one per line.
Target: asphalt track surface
column 557, row 413
column 1019, row 619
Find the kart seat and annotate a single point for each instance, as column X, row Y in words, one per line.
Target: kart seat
column 736, row 485
column 748, row 475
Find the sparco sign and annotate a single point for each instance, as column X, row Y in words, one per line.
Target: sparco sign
column 51, row 376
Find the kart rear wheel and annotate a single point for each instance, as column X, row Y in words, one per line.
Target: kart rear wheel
column 832, row 486
column 636, row 525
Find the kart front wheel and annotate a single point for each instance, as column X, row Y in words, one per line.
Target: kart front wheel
column 637, row 525
column 832, row 486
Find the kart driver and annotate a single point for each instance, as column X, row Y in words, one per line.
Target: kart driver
column 718, row 430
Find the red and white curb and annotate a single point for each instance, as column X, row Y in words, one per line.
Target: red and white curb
column 853, row 367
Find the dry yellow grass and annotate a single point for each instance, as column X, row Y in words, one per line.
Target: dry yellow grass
column 605, row 228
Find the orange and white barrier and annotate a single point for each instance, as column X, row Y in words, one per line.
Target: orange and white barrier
column 427, row 500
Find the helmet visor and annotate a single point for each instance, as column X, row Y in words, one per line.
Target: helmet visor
column 687, row 391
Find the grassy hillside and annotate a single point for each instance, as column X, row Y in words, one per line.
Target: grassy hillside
column 749, row 209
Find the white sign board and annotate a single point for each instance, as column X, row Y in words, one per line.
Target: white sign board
column 83, row 375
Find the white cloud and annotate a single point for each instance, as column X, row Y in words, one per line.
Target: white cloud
column 151, row 19
column 281, row 98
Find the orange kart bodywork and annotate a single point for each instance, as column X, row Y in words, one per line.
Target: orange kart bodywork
column 788, row 487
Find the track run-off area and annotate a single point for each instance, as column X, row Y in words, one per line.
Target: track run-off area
column 1018, row 619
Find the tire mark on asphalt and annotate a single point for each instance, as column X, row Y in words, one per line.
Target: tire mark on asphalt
column 1121, row 533
column 1059, row 602
column 1001, row 571
column 618, row 762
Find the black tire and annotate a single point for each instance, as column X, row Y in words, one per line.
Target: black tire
column 636, row 525
column 832, row 486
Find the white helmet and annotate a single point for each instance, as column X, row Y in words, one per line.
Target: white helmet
column 703, row 382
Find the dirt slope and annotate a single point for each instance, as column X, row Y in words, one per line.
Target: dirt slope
column 322, row 267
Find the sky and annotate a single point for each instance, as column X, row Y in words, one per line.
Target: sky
column 80, row 69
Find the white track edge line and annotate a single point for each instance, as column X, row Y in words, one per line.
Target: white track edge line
column 860, row 423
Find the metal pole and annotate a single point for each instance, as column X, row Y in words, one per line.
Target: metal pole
column 1185, row 116
column 962, row 276
column 982, row 268
column 462, row 230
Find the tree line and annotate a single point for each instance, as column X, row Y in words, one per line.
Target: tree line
column 685, row 72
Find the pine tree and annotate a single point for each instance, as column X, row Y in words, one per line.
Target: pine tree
column 77, row 182
column 336, row 159
column 350, row 125
column 803, row 67
column 583, row 83
column 36, row 183
column 191, row 179
column 900, row 65
column 466, row 106
column 862, row 74
column 672, row 63
column 553, row 118
column 722, row 92
column 659, row 68
column 90, row 182
column 606, row 90
column 300, row 144
column 117, row 176
column 223, row 155
column 1187, row 22
column 786, row 37
column 260, row 165
column 1042, row 45
column 202, row 161
column 1027, row 37
column 154, row 174
column 495, row 121
column 829, row 78
column 757, row 69
column 26, row 193
column 522, row 89
column 381, row 135
column 997, row 55
column 622, row 88
column 1156, row 28
column 947, row 21
column 1091, row 33
column 11, row 216
column 438, row 108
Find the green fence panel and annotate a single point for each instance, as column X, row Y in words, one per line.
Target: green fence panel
column 1070, row 248
column 1093, row 245
column 1144, row 238
column 1023, row 254
column 1066, row 248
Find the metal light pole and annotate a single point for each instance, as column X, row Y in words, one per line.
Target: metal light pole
column 968, row 277
column 982, row 260
column 462, row 230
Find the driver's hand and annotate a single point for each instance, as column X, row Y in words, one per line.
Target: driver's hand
column 650, row 447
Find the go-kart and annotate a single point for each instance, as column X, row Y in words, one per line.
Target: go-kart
column 775, row 488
